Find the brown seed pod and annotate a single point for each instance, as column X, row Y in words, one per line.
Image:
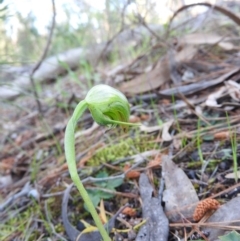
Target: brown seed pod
column 129, row 211
column 203, row 207
column 222, row 135
column 131, row 174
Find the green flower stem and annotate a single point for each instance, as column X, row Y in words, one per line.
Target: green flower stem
column 69, row 143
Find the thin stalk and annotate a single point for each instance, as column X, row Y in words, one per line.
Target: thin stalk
column 199, row 141
column 69, row 143
column 233, row 139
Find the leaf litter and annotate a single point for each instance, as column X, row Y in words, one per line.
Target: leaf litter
column 185, row 141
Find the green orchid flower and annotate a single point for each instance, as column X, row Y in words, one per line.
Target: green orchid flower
column 108, row 106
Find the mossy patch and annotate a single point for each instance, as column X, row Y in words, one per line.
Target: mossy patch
column 123, row 148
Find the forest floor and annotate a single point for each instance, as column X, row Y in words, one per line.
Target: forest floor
column 184, row 155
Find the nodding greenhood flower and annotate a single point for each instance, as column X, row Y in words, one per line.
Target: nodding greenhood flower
column 108, row 106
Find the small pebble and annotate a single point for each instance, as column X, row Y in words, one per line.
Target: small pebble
column 34, row 194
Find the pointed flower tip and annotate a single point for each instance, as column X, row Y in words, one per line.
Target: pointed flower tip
column 108, row 106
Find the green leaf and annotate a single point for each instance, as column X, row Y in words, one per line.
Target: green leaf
column 95, row 198
column 208, row 137
column 115, row 183
column 232, row 236
column 227, row 154
column 102, row 174
column 105, row 195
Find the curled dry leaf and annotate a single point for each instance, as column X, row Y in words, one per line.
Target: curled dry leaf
column 203, row 207
column 233, row 89
column 212, row 98
column 164, row 127
column 165, row 132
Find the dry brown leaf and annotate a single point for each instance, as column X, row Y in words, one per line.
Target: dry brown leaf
column 157, row 76
column 233, row 175
column 186, row 54
column 148, row 81
column 156, row 227
column 179, row 196
column 227, row 46
column 102, row 213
